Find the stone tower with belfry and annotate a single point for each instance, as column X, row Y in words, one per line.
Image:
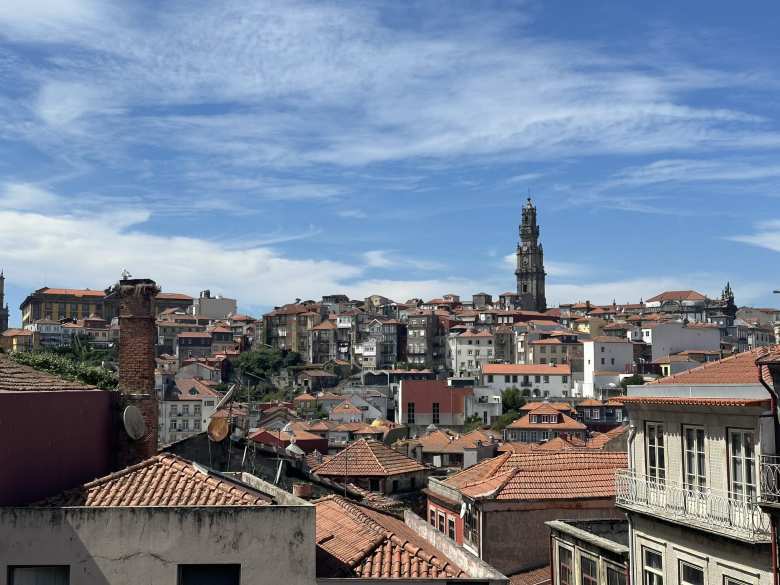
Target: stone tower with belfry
column 530, row 263
column 3, row 305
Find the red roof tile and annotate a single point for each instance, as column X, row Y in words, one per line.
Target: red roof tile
column 516, row 369
column 76, row 292
column 540, row 576
column 677, row 295
column 736, row 369
column 545, row 475
column 693, row 401
column 367, row 458
column 15, row 377
column 162, row 480
column 371, row 545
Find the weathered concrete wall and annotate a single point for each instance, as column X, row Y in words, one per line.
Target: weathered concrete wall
column 471, row 564
column 517, row 539
column 718, row 556
column 118, row 546
column 52, row 441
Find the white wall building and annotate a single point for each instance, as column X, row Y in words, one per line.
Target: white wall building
column 469, row 351
column 486, row 403
column 670, row 337
column 604, row 359
column 186, row 410
column 692, row 489
column 539, row 380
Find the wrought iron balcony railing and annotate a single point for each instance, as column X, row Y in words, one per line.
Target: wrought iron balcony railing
column 769, row 466
column 704, row 508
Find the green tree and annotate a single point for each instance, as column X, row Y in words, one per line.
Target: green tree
column 633, row 380
column 505, row 420
column 512, row 399
column 472, row 422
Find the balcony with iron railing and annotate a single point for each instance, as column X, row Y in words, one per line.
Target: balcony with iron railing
column 769, row 467
column 710, row 510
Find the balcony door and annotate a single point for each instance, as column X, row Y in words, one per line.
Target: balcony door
column 656, row 454
column 695, row 471
column 742, row 465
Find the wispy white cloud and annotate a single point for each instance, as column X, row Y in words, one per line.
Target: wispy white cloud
column 27, row 197
column 352, row 214
column 767, row 235
column 317, row 83
column 392, row 259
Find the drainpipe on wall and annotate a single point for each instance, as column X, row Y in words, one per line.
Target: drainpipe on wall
column 772, row 374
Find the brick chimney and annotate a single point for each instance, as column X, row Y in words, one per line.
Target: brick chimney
column 137, row 333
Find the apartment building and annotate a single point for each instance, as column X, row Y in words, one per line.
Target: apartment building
column 186, row 408
column 538, row 380
column 424, row 402
column 605, row 358
column 543, row 423
column 497, row 509
column 691, row 492
column 64, row 303
column 469, row 351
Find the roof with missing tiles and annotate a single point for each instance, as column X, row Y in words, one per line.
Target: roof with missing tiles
column 162, row 480
column 355, row 541
column 15, row 377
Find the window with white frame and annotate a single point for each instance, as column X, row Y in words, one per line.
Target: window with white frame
column 742, row 467
column 652, row 567
column 656, row 453
column 694, row 461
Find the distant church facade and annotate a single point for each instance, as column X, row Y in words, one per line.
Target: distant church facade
column 530, row 263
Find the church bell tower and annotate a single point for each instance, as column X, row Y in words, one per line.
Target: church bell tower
column 530, row 263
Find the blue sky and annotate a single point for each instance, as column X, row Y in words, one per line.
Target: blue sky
column 274, row 150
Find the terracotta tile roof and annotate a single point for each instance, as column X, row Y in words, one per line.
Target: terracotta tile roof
column 693, row 401
column 167, row 296
column 546, row 475
column 524, row 369
column 590, row 402
column 736, row 369
column 192, row 389
column 15, row 377
column 324, row 326
column 19, row 332
column 367, row 458
column 481, row 333
column 443, row 442
column 345, row 407
column 162, row 480
column 565, row 422
column 562, row 406
column 355, row 541
column 305, row 397
column 540, row 576
column 600, row 440
column 76, row 292
column 676, row 295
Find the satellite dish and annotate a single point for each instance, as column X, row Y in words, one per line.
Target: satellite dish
column 135, row 425
column 219, row 428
